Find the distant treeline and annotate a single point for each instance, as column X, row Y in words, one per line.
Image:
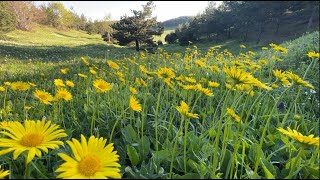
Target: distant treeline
column 24, row 15
column 236, row 19
column 176, row 21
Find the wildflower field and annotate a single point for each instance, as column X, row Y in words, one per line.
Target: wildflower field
column 193, row 113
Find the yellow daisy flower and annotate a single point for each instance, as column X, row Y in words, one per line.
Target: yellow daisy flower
column 20, row 86
column 2, row 89
column 102, row 86
column 69, row 83
column 310, row 140
column 91, row 160
column 232, row 114
column 213, row 84
column 32, row 137
column 134, row 104
column 82, row 75
column 59, row 83
column 313, row 54
column 296, row 80
column 166, row 73
column 133, row 90
column 63, row 93
column 93, row 71
column 43, row 96
column 3, row 173
column 64, row 70
column 184, row 110
column 113, row 65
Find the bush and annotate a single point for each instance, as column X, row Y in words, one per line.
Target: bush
column 7, row 18
column 171, row 38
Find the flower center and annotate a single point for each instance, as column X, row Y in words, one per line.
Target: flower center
column 102, row 86
column 43, row 97
column 31, row 140
column 89, row 165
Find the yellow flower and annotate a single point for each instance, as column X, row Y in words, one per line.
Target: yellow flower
column 213, row 84
column 165, row 73
column 190, row 79
column 232, row 114
column 313, row 54
column 296, row 80
column 64, row 70
column 215, row 68
column 133, row 90
column 85, row 61
column 205, row 91
column 32, row 137
column 27, row 107
column 263, row 61
column 113, row 64
column 92, row 71
column 310, row 140
column 20, row 86
column 7, row 83
column 144, row 70
column 91, row 159
column 134, row 104
column 62, row 93
column 3, row 173
column 2, row 89
column 264, row 48
column 281, row 76
column 59, row 83
column 69, row 83
column 184, row 110
column 82, row 75
column 102, row 86
column 242, row 46
column 43, row 96
column 239, row 76
column 200, row 63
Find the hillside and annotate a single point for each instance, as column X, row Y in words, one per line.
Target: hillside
column 173, row 23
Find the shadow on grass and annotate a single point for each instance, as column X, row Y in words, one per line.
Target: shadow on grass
column 61, row 53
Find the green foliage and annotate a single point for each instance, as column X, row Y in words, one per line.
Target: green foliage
column 250, row 21
column 7, row 18
column 139, row 28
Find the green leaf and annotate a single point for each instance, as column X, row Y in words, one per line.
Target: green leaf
column 226, row 162
column 133, row 155
column 268, row 169
column 144, row 147
column 253, row 151
column 129, row 134
column 187, row 176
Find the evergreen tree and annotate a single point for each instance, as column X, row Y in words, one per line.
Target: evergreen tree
column 138, row 28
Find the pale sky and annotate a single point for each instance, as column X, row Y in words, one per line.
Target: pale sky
column 164, row 10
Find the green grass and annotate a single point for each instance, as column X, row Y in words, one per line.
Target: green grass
column 159, row 142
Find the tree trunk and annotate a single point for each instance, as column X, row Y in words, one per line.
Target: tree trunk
column 277, row 26
column 137, row 45
column 109, row 41
column 260, row 33
column 311, row 18
column 246, row 35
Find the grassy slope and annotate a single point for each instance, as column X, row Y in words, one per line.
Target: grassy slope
column 45, row 48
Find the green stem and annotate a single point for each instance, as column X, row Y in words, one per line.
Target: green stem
column 27, row 171
column 156, row 121
column 216, row 142
column 115, row 124
column 255, row 175
column 174, row 147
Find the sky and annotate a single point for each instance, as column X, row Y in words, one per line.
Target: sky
column 164, row 10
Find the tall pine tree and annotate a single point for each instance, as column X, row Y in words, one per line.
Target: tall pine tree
column 138, row 28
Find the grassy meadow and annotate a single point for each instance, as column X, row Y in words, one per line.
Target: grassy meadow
column 204, row 111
